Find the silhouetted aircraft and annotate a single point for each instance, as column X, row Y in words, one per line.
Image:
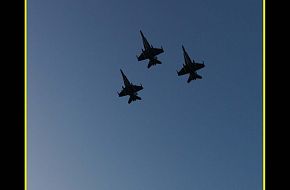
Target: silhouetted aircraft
column 129, row 89
column 190, row 67
column 149, row 52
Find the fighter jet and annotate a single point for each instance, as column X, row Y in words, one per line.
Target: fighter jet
column 190, row 67
column 149, row 52
column 129, row 89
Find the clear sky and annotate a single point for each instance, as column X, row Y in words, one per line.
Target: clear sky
column 203, row 135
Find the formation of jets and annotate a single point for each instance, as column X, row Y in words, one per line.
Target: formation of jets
column 149, row 52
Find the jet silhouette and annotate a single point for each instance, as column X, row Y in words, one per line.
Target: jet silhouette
column 190, row 67
column 149, row 52
column 129, row 89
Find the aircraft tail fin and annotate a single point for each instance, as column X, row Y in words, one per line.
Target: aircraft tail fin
column 198, row 76
column 193, row 77
column 130, row 100
column 133, row 98
column 153, row 62
column 189, row 79
column 137, row 98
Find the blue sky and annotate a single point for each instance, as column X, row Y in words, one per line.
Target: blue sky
column 199, row 136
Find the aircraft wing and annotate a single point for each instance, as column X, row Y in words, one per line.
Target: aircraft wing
column 138, row 88
column 122, row 93
column 183, row 71
column 152, row 52
column 198, row 66
column 142, row 57
column 157, row 51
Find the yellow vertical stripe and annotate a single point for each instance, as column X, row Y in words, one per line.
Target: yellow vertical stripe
column 25, row 94
column 264, row 95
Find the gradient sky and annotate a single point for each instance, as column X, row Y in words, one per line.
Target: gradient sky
column 205, row 135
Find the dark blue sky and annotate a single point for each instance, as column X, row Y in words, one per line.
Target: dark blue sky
column 199, row 136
